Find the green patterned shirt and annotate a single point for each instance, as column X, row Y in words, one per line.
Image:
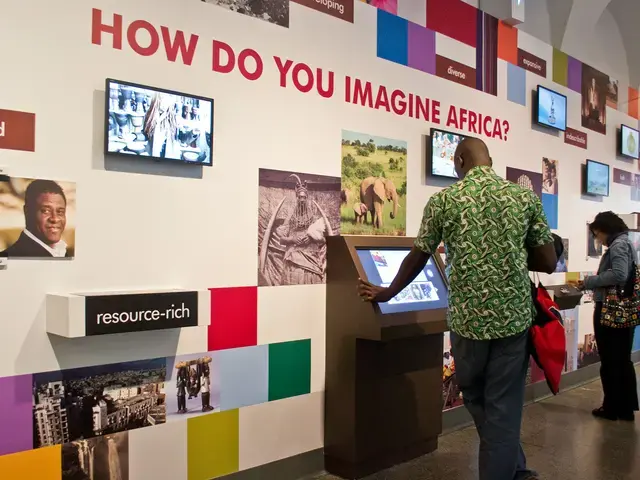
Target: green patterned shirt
column 486, row 224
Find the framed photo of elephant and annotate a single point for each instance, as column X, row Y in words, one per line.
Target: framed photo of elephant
column 297, row 211
column 374, row 185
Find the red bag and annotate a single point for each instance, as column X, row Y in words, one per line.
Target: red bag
column 548, row 339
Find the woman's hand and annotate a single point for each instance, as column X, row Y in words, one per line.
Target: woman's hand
column 579, row 284
column 372, row 293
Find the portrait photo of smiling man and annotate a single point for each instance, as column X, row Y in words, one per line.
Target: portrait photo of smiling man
column 36, row 218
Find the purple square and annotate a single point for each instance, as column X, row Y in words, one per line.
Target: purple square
column 422, row 48
column 575, row 75
column 16, row 414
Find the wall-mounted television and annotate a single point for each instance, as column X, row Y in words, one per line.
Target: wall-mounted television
column 158, row 124
column 596, row 179
column 442, row 152
column 428, row 291
column 629, row 142
column 551, row 109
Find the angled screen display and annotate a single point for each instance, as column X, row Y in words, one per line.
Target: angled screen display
column 629, row 142
column 427, row 292
column 597, row 181
column 552, row 109
column 443, row 149
column 160, row 124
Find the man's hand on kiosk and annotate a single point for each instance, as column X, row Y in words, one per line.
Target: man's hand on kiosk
column 373, row 293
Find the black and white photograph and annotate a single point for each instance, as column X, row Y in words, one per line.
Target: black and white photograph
column 88, row 402
column 272, row 11
column 297, row 211
column 37, row 218
column 100, row 458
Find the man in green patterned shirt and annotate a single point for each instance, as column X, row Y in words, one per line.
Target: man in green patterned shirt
column 495, row 232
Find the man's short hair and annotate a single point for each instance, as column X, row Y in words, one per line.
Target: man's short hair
column 38, row 187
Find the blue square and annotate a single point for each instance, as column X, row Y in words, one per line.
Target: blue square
column 550, row 205
column 516, row 84
column 244, row 377
column 393, row 38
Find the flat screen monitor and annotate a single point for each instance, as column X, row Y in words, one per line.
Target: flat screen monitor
column 597, row 179
column 629, row 142
column 443, row 149
column 159, row 124
column 552, row 109
column 427, row 292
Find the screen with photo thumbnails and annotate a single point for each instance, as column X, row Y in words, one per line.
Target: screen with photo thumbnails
column 148, row 122
column 427, row 292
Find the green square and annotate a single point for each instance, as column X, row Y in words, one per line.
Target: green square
column 560, row 67
column 289, row 369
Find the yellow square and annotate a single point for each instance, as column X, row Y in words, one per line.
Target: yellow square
column 213, row 445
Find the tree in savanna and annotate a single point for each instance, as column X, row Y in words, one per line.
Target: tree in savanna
column 402, row 191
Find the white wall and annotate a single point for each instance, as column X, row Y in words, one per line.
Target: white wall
column 140, row 231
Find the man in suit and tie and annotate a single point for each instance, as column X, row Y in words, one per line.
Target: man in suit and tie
column 45, row 214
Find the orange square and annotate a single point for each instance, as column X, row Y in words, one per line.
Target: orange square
column 633, row 102
column 42, row 463
column 508, row 43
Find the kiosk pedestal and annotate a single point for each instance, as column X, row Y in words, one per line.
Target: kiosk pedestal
column 383, row 400
column 568, row 299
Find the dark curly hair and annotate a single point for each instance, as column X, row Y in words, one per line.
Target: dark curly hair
column 608, row 223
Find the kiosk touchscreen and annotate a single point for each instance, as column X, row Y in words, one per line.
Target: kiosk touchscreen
column 427, row 292
column 383, row 380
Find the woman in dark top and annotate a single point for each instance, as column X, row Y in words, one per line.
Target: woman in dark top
column 614, row 344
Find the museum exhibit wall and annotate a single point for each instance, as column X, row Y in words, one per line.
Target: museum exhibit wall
column 132, row 224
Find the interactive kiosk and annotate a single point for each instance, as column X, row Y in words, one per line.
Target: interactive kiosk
column 383, row 399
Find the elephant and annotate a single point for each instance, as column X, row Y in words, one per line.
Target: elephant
column 373, row 192
column 360, row 209
column 345, row 196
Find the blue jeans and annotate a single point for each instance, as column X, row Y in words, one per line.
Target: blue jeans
column 491, row 375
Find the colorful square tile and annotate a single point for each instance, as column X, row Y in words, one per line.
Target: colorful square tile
column 550, row 206
column 244, row 377
column 289, row 369
column 574, row 75
column 16, row 414
column 212, row 445
column 508, row 43
column 516, row 84
column 453, row 18
column 393, row 38
column 633, row 103
column 422, row 48
column 41, row 464
column 560, row 67
column 234, row 318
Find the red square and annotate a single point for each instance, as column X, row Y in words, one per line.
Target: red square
column 455, row 19
column 234, row 318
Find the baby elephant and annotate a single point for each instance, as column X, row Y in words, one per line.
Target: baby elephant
column 360, row 210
